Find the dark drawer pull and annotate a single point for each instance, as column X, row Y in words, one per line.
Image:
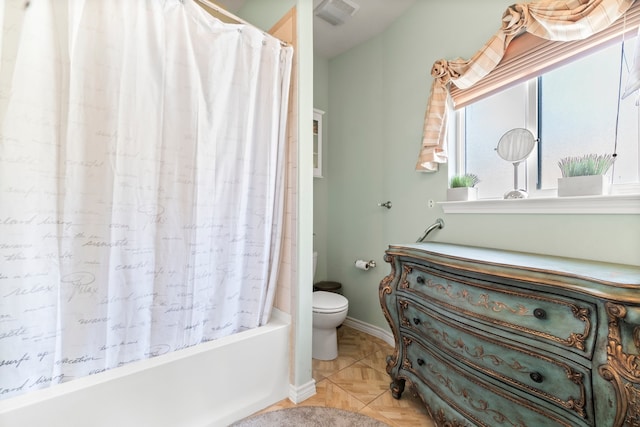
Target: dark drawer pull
column 540, row 313
column 536, row 377
column 420, row 362
column 416, row 321
column 420, row 280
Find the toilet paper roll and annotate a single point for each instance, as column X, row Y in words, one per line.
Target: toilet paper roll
column 362, row 265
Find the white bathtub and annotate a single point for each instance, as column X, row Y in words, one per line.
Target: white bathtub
column 212, row 384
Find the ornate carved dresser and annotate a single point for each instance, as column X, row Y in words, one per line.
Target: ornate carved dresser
column 496, row 338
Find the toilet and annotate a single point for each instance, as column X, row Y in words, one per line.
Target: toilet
column 329, row 311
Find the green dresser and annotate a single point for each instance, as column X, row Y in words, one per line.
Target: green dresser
column 496, row 338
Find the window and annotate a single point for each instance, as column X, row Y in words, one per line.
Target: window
column 571, row 110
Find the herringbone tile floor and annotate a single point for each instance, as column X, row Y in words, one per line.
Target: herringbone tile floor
column 357, row 381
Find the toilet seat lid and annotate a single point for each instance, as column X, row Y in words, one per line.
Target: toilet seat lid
column 329, row 302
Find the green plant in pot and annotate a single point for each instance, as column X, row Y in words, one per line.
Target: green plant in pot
column 463, row 187
column 465, row 180
column 584, row 175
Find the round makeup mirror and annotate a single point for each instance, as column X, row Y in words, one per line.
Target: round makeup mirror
column 515, row 146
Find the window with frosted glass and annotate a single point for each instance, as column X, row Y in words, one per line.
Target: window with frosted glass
column 485, row 122
column 578, row 114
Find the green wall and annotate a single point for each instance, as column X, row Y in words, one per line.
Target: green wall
column 377, row 95
column 265, row 14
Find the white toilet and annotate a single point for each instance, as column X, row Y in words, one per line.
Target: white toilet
column 329, row 311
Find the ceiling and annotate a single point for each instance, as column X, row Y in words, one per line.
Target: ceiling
column 373, row 17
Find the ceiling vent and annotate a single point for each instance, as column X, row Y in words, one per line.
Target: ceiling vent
column 336, row 12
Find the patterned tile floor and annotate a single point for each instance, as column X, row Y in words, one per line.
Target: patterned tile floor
column 357, row 381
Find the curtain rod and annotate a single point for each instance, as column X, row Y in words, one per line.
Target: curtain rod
column 234, row 17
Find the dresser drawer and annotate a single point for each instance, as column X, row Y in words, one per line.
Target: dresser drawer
column 479, row 401
column 564, row 322
column 560, row 382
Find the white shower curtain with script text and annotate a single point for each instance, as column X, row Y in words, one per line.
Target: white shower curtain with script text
column 141, row 183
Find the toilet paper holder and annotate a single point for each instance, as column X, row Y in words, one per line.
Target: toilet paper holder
column 364, row 265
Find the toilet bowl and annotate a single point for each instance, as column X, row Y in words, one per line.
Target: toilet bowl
column 329, row 311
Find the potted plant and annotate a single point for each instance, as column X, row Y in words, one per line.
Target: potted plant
column 463, row 187
column 584, row 175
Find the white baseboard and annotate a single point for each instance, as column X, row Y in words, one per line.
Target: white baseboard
column 298, row 394
column 375, row 331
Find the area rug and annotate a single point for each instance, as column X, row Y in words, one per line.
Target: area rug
column 309, row 416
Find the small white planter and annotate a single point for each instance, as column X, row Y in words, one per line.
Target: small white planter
column 460, row 194
column 592, row 185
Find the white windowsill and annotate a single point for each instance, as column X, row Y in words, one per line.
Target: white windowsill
column 613, row 204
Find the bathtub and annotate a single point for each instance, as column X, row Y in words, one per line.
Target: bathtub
column 212, row 384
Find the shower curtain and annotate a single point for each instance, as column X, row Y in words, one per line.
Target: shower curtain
column 141, row 183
